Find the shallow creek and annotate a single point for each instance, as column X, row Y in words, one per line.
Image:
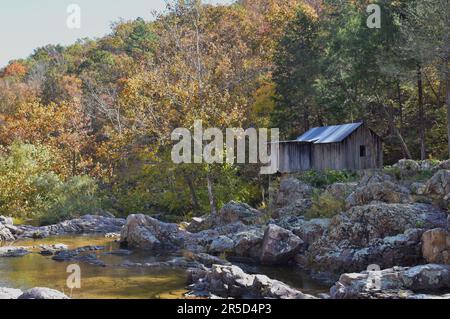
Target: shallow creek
column 114, row 281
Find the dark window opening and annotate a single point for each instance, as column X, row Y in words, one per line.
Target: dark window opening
column 362, row 151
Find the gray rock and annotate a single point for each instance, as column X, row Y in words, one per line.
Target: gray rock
column 10, row 293
column 198, row 224
column 407, row 165
column 221, row 244
column 292, row 190
column 88, row 224
column 361, row 224
column 438, row 186
column 233, row 282
column 145, row 232
column 6, row 220
column 341, row 190
column 385, row 191
column 234, row 212
column 49, row 250
column 279, row 245
column 42, row 293
column 328, row 260
column 5, row 234
column 396, row 282
column 13, row 251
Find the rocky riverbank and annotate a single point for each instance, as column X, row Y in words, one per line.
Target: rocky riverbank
column 389, row 220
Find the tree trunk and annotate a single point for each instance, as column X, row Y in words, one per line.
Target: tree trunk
column 400, row 103
column 212, row 199
column 195, row 204
column 421, row 116
column 394, row 128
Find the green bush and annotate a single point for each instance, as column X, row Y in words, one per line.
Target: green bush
column 324, row 178
column 324, row 205
column 29, row 188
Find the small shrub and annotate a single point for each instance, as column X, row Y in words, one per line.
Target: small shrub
column 325, row 205
column 321, row 179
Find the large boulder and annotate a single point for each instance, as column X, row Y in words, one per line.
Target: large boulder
column 10, row 293
column 383, row 234
column 279, row 245
column 393, row 283
column 292, row 190
column 6, row 220
column 327, row 260
column 236, row 211
column 438, row 186
column 5, row 233
column 242, row 243
column 374, row 176
column 42, row 293
column 308, row 230
column 361, row 224
column 145, row 232
column 385, row 191
column 233, row 282
column 407, row 165
column 436, row 246
column 341, row 190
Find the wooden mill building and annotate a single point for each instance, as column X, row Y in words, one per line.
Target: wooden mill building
column 339, row 147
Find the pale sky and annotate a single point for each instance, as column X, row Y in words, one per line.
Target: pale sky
column 28, row 24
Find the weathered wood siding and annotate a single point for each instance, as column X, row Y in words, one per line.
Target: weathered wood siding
column 294, row 157
column 297, row 156
column 346, row 154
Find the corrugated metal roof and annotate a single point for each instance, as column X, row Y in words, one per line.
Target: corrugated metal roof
column 329, row 134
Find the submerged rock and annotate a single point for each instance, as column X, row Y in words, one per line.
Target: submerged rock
column 49, row 250
column 233, row 282
column 13, row 251
column 82, row 254
column 393, row 283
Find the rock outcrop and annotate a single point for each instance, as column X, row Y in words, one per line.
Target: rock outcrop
column 394, row 283
column 436, row 246
column 384, row 234
column 279, row 245
column 293, row 197
column 5, row 234
column 385, row 191
column 361, row 224
column 88, row 224
column 233, row 282
column 438, row 186
column 145, row 232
